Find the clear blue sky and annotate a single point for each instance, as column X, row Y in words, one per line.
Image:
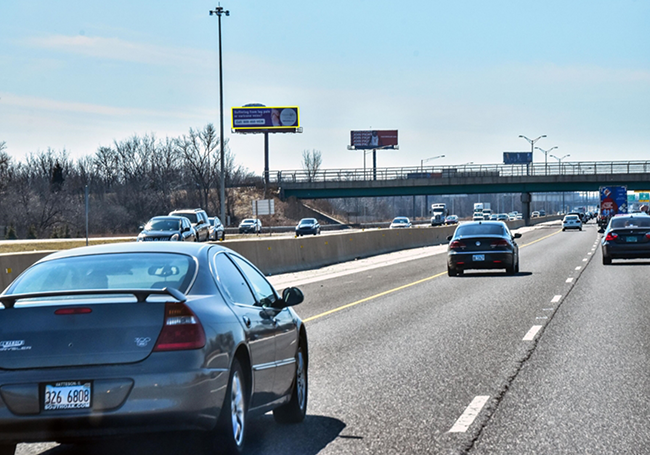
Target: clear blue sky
column 459, row 78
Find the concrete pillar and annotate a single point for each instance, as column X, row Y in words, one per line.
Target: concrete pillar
column 525, row 207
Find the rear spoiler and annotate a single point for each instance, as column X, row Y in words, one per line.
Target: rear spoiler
column 140, row 294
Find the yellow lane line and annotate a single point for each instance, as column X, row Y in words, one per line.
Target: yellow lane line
column 372, row 297
column 540, row 239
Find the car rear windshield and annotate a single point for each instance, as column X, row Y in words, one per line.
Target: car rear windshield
column 189, row 215
column 108, row 271
column 641, row 221
column 480, row 229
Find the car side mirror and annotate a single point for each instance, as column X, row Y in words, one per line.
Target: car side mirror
column 185, row 229
column 141, row 228
column 517, row 235
column 449, row 238
column 601, row 230
column 292, row 296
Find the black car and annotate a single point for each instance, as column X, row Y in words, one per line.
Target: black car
column 626, row 237
column 135, row 338
column 482, row 245
column 199, row 220
column 217, row 229
column 167, row 228
column 308, row 226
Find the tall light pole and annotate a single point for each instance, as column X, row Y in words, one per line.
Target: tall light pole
column 532, row 141
column 222, row 194
column 426, row 198
column 427, row 160
column 559, row 160
column 546, row 157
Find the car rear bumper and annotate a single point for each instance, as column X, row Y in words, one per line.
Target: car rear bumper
column 626, row 251
column 492, row 260
column 125, row 401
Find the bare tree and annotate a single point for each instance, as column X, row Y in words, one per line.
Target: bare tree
column 198, row 150
column 311, row 163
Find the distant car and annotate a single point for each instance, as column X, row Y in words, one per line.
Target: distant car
column 571, row 222
column 217, row 229
column 503, row 217
column 451, row 219
column 308, row 226
column 167, row 228
column 145, row 338
column 250, row 225
column 626, row 237
column 535, row 214
column 542, row 213
column 520, row 216
column 494, row 217
column 482, row 245
column 477, row 217
column 199, row 220
column 400, row 222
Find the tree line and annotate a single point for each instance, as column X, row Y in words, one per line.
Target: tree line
column 128, row 182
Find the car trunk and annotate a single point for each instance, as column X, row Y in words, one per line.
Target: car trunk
column 80, row 333
column 631, row 236
column 481, row 243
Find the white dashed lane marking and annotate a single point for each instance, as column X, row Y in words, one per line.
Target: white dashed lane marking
column 579, row 267
column 532, row 332
column 569, row 280
column 470, row 414
column 556, row 299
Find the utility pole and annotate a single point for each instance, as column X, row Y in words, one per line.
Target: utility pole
column 219, row 11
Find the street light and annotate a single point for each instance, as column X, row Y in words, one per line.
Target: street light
column 429, row 159
column 545, row 157
column 222, row 193
column 559, row 160
column 532, row 141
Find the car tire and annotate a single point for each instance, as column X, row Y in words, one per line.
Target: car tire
column 452, row 271
column 563, row 229
column 517, row 266
column 296, row 409
column 231, row 429
column 607, row 260
column 7, row 449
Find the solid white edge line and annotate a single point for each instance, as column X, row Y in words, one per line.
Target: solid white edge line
column 470, row 414
column 532, row 332
column 556, row 299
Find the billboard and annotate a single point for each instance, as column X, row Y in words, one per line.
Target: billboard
column 373, row 139
column 613, row 200
column 517, row 157
column 265, row 118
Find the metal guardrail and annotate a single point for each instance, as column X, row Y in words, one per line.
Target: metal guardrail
column 462, row 171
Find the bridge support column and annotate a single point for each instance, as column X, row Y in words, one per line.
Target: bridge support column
column 525, row 207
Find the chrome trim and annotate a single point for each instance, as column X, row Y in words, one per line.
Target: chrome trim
column 278, row 363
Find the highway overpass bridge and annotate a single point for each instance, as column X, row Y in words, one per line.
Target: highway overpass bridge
column 463, row 179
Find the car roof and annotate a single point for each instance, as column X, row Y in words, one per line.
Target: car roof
column 168, row 217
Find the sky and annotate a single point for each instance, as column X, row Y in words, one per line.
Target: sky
column 457, row 78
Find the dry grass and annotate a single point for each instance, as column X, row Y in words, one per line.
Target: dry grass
column 52, row 245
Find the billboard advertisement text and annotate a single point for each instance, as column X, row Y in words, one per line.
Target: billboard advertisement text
column 613, row 200
column 373, row 139
column 267, row 118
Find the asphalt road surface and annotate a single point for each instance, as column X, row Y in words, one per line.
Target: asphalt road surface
column 404, row 359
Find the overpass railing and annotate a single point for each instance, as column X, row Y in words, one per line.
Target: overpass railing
column 461, row 171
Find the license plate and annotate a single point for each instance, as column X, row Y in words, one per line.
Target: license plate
column 478, row 257
column 67, row 395
column 630, row 239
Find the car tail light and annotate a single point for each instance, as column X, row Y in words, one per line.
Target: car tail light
column 66, row 311
column 611, row 236
column 456, row 245
column 500, row 242
column 181, row 330
column 647, row 235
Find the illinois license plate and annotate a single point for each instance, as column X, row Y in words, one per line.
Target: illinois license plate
column 478, row 257
column 67, row 395
column 630, row 239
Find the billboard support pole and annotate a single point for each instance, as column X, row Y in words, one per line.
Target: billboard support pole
column 266, row 161
column 374, row 164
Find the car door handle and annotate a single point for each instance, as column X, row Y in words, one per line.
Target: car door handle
column 247, row 321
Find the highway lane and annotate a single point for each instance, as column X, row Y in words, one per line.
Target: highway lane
column 394, row 372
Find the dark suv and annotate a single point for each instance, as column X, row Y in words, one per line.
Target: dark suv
column 199, row 220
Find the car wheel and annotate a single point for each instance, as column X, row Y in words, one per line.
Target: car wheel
column 581, row 229
column 607, row 260
column 510, row 270
column 517, row 266
column 451, row 271
column 563, row 229
column 296, row 409
column 232, row 421
column 223, row 235
column 7, row 449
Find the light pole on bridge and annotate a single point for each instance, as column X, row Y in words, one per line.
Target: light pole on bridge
column 559, row 160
